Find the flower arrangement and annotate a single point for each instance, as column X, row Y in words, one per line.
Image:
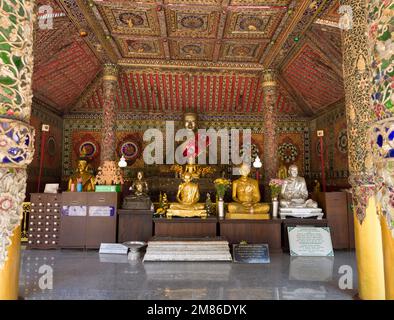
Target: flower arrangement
column 221, row 186
column 276, row 186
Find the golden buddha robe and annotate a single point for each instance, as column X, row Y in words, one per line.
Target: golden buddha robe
column 246, row 196
column 87, row 180
column 187, row 197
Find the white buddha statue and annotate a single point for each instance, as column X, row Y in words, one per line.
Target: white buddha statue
column 294, row 193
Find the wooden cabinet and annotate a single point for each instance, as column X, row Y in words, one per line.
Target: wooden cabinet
column 253, row 231
column 134, row 225
column 88, row 219
column 335, row 206
column 185, row 227
column 44, row 221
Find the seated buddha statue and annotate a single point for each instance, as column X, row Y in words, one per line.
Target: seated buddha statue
column 246, row 196
column 139, row 198
column 83, row 175
column 294, row 193
column 187, row 196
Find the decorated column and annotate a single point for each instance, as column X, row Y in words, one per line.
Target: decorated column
column 357, row 74
column 270, row 123
column 108, row 140
column 16, row 135
column 380, row 33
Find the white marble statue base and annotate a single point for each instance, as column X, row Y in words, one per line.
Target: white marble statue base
column 301, row 213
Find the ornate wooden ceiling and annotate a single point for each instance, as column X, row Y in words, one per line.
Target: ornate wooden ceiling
column 184, row 92
column 203, row 55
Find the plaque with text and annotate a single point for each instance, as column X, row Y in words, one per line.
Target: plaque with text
column 310, row 241
column 101, row 211
column 251, row 253
column 74, row 211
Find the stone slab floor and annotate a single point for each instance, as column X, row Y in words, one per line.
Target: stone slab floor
column 79, row 274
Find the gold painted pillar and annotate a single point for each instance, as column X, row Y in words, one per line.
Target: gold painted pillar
column 108, row 140
column 381, row 36
column 357, row 79
column 16, row 135
column 270, row 156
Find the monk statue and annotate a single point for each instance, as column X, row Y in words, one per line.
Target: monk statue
column 294, row 193
column 82, row 175
column 139, row 198
column 188, row 196
column 246, row 196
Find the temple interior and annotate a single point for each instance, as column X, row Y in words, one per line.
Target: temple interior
column 122, row 96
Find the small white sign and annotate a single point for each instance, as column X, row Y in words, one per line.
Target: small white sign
column 320, row 133
column 310, row 241
column 113, row 248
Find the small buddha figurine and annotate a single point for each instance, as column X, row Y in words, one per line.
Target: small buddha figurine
column 82, row 175
column 139, row 198
column 188, row 196
column 140, row 186
column 316, row 188
column 246, row 196
column 294, row 193
column 282, row 171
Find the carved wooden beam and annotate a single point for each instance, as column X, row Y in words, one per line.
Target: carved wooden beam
column 97, row 29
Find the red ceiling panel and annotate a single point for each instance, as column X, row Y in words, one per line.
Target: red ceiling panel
column 180, row 92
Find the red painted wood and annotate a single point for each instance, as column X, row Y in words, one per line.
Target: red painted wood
column 183, row 93
column 251, row 90
column 143, row 103
column 166, row 102
column 152, row 92
column 214, row 94
column 240, row 79
column 225, row 104
column 201, row 93
column 256, row 95
column 195, row 93
column 121, row 87
column 220, row 94
column 159, row 93
column 171, row 93
column 190, row 92
column 133, row 87
column 126, row 83
column 245, row 97
column 207, row 97
column 229, row 108
column 177, row 92
column 145, row 81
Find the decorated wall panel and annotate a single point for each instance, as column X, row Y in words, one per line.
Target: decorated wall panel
column 335, row 147
column 52, row 165
column 85, row 130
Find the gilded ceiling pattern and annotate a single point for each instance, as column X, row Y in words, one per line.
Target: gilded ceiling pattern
column 185, row 41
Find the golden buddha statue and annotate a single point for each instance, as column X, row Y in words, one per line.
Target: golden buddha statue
column 246, row 196
column 82, row 175
column 282, row 171
column 188, row 196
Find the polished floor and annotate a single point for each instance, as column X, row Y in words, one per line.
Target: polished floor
column 77, row 274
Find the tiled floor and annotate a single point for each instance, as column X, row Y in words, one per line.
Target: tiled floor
column 88, row 275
